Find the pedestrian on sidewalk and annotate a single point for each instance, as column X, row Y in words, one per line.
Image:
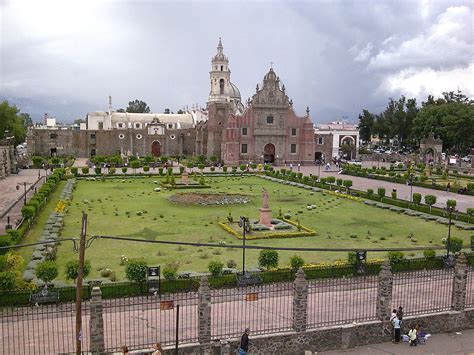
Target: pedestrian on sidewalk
column 124, row 349
column 397, row 323
column 400, row 313
column 244, row 342
column 158, row 349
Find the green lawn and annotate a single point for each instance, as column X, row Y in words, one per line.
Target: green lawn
column 339, row 223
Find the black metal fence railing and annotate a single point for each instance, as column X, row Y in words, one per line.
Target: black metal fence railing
column 45, row 329
column 341, row 301
column 433, row 291
column 139, row 322
column 264, row 308
column 470, row 288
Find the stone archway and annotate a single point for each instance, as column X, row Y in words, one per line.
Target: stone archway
column 269, row 153
column 156, row 149
column 319, row 157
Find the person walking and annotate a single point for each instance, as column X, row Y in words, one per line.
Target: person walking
column 397, row 323
column 158, row 350
column 400, row 313
column 244, row 342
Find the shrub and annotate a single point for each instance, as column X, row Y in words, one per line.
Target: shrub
column 181, row 169
column 124, row 169
column 136, row 270
column 37, row 161
column 135, row 165
column 112, row 171
column 268, row 258
column 395, row 256
column 47, row 271
column 201, row 167
column 146, row 168
column 429, row 254
column 242, row 167
column 74, row 170
column 215, row 267
column 339, row 182
column 347, row 184
column 296, row 262
column 28, row 211
column 105, row 272
column 72, row 267
column 416, row 198
column 7, row 281
column 352, row 257
column 170, row 271
column 370, row 192
column 85, row 170
column 430, row 200
column 98, row 170
column 231, row 264
column 331, row 179
column 381, row 192
column 394, row 195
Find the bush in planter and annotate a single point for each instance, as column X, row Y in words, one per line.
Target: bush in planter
column 124, row 169
column 370, row 192
column 181, row 169
column 339, row 182
column 136, row 270
column 47, row 271
column 213, row 168
column 98, row 171
column 242, row 167
column 85, row 170
column 160, row 171
column 215, row 267
column 429, row 254
column 381, row 192
column 224, row 169
column 135, row 164
column 170, row 271
column 430, row 200
column 201, row 167
column 268, row 258
column 416, row 198
column 112, row 171
column 395, row 256
column 74, row 170
column 296, row 262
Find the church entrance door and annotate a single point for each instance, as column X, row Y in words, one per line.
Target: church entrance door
column 269, row 153
column 156, row 149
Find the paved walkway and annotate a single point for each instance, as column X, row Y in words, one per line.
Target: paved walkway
column 438, row 344
column 9, row 194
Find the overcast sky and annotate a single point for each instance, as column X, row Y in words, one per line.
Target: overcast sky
column 337, row 57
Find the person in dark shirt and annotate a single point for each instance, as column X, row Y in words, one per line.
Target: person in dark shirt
column 244, row 342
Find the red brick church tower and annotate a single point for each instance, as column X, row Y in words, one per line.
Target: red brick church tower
column 266, row 130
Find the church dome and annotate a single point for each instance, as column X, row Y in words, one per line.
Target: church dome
column 234, row 92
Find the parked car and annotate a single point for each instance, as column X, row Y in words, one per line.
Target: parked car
column 466, row 159
column 354, row 162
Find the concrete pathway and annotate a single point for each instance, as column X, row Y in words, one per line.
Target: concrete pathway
column 438, row 344
column 9, row 194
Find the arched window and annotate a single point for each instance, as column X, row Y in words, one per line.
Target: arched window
column 221, row 85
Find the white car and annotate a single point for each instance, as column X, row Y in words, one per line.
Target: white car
column 466, row 159
column 355, row 162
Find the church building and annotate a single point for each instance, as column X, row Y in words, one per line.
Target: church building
column 265, row 128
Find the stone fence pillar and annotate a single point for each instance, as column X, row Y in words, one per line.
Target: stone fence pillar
column 300, row 301
column 384, row 297
column 458, row 297
column 96, row 334
column 204, row 307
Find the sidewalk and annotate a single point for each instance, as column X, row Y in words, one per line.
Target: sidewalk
column 437, row 344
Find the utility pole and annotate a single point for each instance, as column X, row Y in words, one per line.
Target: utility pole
column 80, row 272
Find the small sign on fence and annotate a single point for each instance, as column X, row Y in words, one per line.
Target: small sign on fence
column 153, row 271
column 153, row 280
column 251, row 296
column 165, row 305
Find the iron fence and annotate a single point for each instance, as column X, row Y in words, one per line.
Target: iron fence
column 341, row 301
column 42, row 329
column 264, row 309
column 139, row 322
column 422, row 292
column 470, row 288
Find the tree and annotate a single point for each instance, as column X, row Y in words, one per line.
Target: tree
column 381, row 192
column 215, row 267
column 451, row 204
column 296, row 262
column 78, row 121
column 26, row 119
column 47, row 271
column 120, row 110
column 416, row 198
column 430, row 200
column 138, row 106
column 268, row 258
column 12, row 123
column 455, row 244
column 135, row 165
column 72, row 267
column 366, row 125
column 136, row 270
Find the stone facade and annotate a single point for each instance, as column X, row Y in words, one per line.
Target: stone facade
column 7, row 157
column 97, row 343
column 265, row 130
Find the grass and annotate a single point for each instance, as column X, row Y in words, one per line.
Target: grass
column 112, row 208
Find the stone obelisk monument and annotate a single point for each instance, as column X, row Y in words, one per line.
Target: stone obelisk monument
column 265, row 212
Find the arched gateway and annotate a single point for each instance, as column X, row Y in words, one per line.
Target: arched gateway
column 156, row 149
column 269, row 153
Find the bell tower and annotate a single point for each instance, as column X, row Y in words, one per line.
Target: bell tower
column 220, row 76
column 219, row 102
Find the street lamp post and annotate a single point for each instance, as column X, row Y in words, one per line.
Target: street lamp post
column 24, row 195
column 244, row 224
column 448, row 242
column 410, row 181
